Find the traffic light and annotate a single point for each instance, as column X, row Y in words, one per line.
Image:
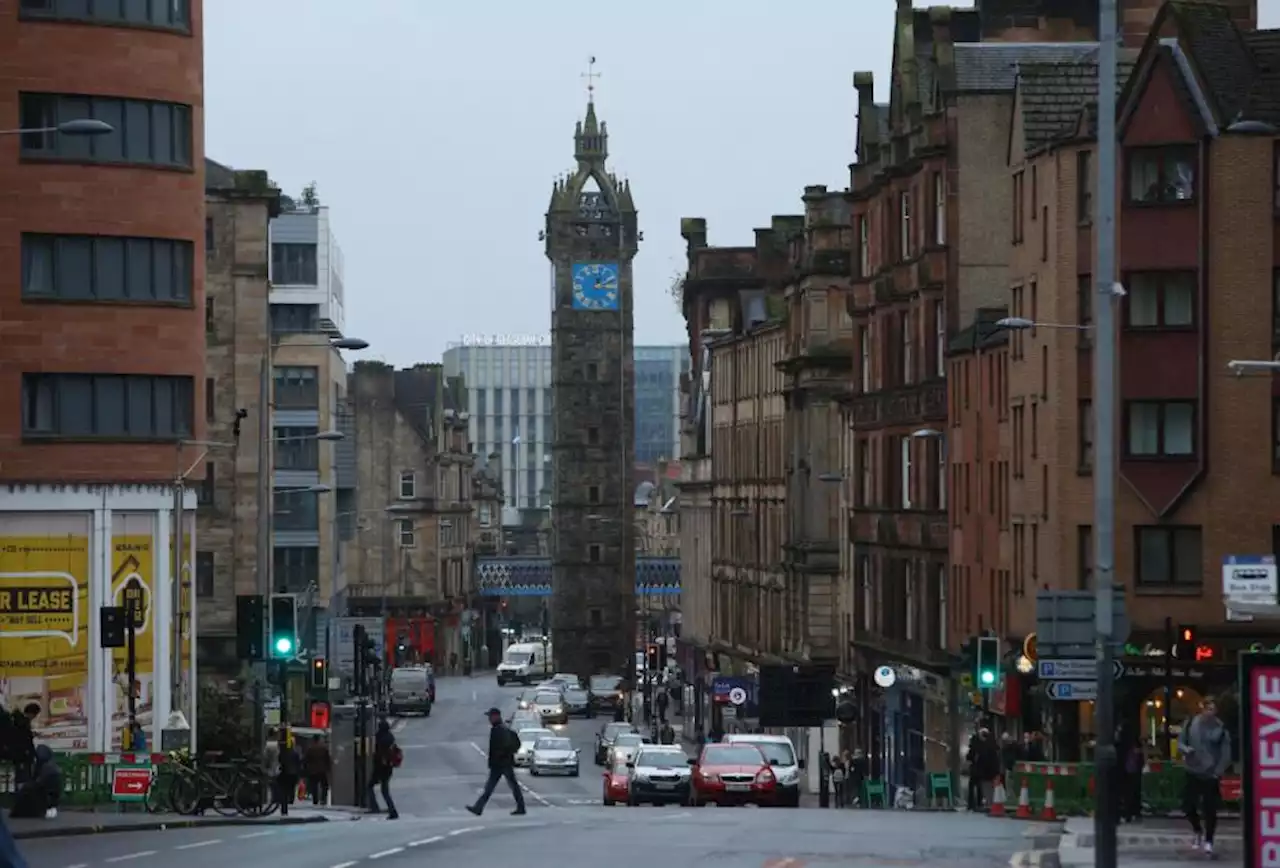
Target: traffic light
column 1185, row 648
column 987, row 673
column 284, row 626
column 249, row 628
column 651, row 658
column 319, row 673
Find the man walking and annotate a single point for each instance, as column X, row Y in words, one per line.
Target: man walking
column 318, row 763
column 503, row 744
column 1206, row 748
column 387, row 756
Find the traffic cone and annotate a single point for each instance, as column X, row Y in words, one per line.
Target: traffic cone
column 1024, row 802
column 1048, row 813
column 998, row 797
column 302, row 791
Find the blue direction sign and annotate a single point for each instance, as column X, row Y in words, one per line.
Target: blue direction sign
column 1075, row 669
column 1071, row 690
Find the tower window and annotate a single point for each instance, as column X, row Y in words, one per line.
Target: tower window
column 597, row 618
column 593, row 494
column 593, row 435
column 593, row 371
column 593, row 553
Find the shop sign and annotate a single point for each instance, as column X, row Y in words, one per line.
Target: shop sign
column 1204, row 653
column 1160, row 670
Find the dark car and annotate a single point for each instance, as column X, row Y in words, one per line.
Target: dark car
column 658, row 775
column 577, row 700
column 607, row 735
column 608, row 692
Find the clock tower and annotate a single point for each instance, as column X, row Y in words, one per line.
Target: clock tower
column 591, row 239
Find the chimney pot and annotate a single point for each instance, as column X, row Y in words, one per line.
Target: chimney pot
column 939, row 14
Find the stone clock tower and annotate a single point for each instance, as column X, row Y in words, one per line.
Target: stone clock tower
column 591, row 239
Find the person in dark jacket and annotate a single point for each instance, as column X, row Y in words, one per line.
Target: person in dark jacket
column 290, row 771
column 39, row 796
column 503, row 744
column 385, row 752
column 984, row 768
column 9, row 855
column 23, row 748
column 317, row 763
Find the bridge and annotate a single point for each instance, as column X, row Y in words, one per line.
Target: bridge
column 531, row 576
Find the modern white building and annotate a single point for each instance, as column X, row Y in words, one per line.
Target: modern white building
column 306, row 272
column 509, row 390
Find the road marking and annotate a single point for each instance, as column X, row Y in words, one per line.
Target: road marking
column 393, row 851
column 257, row 834
column 432, row 840
column 465, row 831
column 208, row 843
column 536, row 797
column 79, row 865
column 344, row 865
column 788, row 862
column 129, row 856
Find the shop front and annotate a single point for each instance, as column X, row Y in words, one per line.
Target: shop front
column 902, row 721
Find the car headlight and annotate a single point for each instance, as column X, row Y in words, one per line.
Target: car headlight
column 789, row 777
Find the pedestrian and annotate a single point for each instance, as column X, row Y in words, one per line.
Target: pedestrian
column 667, row 734
column 290, row 769
column 24, row 742
column 1205, row 745
column 503, row 744
column 9, row 855
column 661, row 701
column 387, row 756
column 317, row 763
column 453, row 663
column 1132, row 763
column 859, row 767
column 39, row 796
column 984, row 768
column 839, row 772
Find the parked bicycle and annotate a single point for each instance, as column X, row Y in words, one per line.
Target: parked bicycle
column 238, row 787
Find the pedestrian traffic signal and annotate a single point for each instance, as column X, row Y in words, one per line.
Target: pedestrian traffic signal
column 249, row 627
column 319, row 673
column 1185, row 648
column 284, row 626
column 988, row 665
column 651, row 658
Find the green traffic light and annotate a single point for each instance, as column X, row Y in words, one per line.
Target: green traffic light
column 284, row 645
column 988, row 677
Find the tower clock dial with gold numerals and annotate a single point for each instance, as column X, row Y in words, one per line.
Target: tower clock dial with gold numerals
column 595, row 285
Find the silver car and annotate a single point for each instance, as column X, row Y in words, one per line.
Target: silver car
column 528, row 738
column 551, row 707
column 554, row 756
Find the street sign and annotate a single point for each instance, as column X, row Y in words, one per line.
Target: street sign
column 738, row 696
column 1066, row 623
column 1071, row 690
column 885, row 677
column 130, row 783
column 1248, row 579
column 1075, row 669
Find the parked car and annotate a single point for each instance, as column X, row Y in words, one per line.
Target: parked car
column 658, row 774
column 554, row 756
column 606, row 736
column 781, row 756
column 733, row 774
column 616, row 778
column 412, row 690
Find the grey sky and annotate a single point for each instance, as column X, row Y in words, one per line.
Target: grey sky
column 434, row 130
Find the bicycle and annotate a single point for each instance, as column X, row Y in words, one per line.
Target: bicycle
column 189, row 789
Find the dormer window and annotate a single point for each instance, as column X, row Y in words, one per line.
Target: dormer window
column 1162, row 175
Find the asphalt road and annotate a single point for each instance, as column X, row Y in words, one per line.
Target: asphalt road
column 444, row 769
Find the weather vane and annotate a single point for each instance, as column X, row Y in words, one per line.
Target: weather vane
column 591, row 75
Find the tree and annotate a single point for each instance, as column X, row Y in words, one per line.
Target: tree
column 222, row 723
column 309, row 198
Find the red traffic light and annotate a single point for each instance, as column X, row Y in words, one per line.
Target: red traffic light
column 1187, row 634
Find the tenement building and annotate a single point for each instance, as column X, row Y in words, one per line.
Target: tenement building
column 101, row 356
column 1198, row 264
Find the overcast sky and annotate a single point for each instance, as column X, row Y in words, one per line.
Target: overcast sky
column 434, row 130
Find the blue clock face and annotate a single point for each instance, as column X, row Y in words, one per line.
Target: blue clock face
column 595, row 285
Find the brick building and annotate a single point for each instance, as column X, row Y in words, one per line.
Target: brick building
column 1198, row 260
column 101, row 346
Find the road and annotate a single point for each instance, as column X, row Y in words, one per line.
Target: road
column 443, row 770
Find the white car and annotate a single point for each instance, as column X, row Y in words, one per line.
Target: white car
column 528, row 738
column 625, row 746
column 554, row 756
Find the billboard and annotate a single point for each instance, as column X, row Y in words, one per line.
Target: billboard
column 1260, row 758
column 44, row 619
column 133, row 574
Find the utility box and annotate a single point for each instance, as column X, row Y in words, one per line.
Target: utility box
column 347, row 755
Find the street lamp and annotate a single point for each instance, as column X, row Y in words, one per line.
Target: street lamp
column 77, row 127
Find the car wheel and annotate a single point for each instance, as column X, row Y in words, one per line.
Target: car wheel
column 534, row 772
column 608, row 802
column 574, row 773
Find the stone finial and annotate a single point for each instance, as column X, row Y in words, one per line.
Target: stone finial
column 940, row 14
column 864, row 80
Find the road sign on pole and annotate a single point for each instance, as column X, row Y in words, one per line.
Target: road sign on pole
column 130, row 783
column 1066, row 623
column 1071, row 690
column 1074, row 669
column 1249, row 579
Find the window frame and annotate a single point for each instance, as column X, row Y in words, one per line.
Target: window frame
column 1084, row 436
column 1176, row 563
column 295, row 268
column 1085, row 187
column 1162, row 406
column 206, row 574
column 40, row 398
column 50, row 251
column 410, row 477
column 180, row 23
column 283, row 501
column 406, row 533
column 1166, row 154
column 1163, row 279
column 53, row 109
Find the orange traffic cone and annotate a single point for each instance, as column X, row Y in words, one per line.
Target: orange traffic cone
column 1024, row 802
column 998, row 797
column 302, row 790
column 1048, row 813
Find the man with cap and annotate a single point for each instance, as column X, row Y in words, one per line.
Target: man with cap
column 503, row 744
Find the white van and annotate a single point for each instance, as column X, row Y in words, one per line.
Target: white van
column 781, row 755
column 525, row 663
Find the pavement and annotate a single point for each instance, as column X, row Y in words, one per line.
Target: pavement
column 76, row 822
column 443, row 770
column 1148, row 844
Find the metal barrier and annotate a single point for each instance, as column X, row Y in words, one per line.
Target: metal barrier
column 1074, row 785
column 86, row 778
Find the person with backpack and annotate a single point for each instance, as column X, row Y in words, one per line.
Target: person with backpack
column 387, row 756
column 503, row 745
column 290, row 769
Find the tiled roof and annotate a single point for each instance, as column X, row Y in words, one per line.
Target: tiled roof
column 218, row 176
column 1220, row 52
column 1264, row 92
column 992, row 67
column 1053, row 95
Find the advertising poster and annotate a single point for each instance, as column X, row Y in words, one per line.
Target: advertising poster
column 133, row 570
column 1260, row 758
column 44, row 612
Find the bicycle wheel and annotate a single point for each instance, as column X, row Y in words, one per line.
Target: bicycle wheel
column 220, row 791
column 160, row 793
column 185, row 794
column 255, row 796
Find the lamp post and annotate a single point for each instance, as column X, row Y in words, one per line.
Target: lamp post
column 76, row 127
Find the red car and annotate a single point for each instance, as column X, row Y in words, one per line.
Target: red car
column 733, row 774
column 616, row 782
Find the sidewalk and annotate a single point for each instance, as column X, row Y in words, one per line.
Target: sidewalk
column 1151, row 843
column 72, row 822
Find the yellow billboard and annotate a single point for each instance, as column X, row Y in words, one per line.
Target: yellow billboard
column 133, row 572
column 44, row 626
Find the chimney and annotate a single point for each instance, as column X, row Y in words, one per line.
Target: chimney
column 868, row 127
column 694, row 232
column 943, row 52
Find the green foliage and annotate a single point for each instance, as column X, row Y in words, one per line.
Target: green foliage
column 223, row 723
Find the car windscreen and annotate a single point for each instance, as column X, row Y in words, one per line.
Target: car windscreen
column 614, row 730
column 575, row 694
column 530, row 736
column 407, row 678
column 554, row 744
column 547, row 699
column 605, row 683
column 517, row 658
column 662, row 759
column 776, row 752
column 628, row 739
column 732, row 755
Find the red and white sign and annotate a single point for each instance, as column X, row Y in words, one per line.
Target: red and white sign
column 1263, row 732
column 128, row 784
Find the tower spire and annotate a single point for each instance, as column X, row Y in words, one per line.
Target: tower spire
column 591, row 138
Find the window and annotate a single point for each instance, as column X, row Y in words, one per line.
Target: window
column 209, row 320
column 107, row 268
column 593, row 553
column 1035, row 192
column 1159, row 429
column 908, row 345
column 204, row 574
column 295, row 569
column 1160, row 176
column 293, row 265
column 294, row 318
column 1084, row 557
column 297, row 449
column 864, row 358
column 939, row 339
column 1161, row 299
column 864, row 248
column 593, row 494
column 1168, row 557
column 904, row 465
column 593, row 435
column 904, row 225
column 484, row 515
column 167, row 14
column 939, row 209
column 1084, row 418
column 296, row 388
column 146, row 133
column 406, row 537
column 1084, row 187
column 206, row 494
column 863, row 458
column 1017, row 208
column 593, row 374
column 1275, row 435
column 110, row 406
column 408, row 485
column 208, row 238
column 296, row 510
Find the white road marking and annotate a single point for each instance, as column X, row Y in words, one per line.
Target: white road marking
column 129, row 856
column 393, row 851
column 79, row 865
column 473, row 696
column 425, row 841
column 536, row 797
column 258, row 834
column 208, row 843
column 465, row 831
column 344, row 865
